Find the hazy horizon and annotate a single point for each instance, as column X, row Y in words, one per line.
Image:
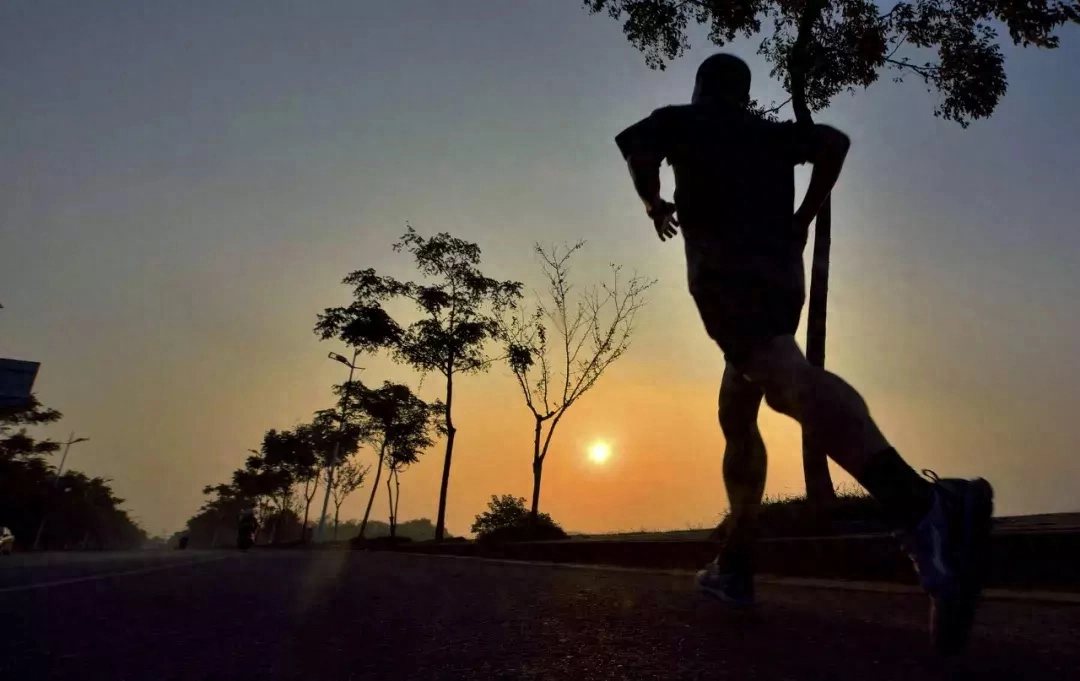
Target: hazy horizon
column 185, row 186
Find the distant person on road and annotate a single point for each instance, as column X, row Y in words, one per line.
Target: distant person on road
column 744, row 242
column 247, row 526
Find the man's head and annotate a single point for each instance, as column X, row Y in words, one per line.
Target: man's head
column 722, row 79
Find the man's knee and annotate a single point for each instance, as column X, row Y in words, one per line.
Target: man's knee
column 783, row 373
column 740, row 402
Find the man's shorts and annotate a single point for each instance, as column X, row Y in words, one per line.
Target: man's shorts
column 747, row 304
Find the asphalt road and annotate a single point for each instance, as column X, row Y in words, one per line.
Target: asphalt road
column 351, row 615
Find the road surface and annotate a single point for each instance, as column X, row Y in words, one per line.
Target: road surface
column 274, row 615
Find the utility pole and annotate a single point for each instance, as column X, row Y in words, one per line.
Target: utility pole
column 56, row 484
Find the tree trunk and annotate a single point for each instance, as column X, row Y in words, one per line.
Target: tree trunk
column 538, row 469
column 390, row 504
column 534, row 513
column 397, row 498
column 307, row 506
column 337, row 510
column 819, row 486
column 440, row 522
column 374, row 489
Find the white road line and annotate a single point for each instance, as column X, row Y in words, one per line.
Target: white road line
column 1061, row 597
column 107, row 575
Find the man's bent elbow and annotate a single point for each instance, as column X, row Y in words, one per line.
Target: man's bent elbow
column 833, row 142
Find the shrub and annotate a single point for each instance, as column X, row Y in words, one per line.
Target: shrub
column 855, row 512
column 507, row 520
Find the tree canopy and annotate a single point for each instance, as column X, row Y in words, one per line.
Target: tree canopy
column 79, row 511
column 951, row 45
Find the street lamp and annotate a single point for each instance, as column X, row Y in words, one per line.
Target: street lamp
column 59, row 471
column 337, row 441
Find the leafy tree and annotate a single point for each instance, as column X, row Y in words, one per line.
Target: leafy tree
column 291, row 455
column 820, row 48
column 396, row 424
column 507, row 518
column 215, row 523
column 268, row 479
column 401, row 454
column 560, row 350
column 459, row 309
column 83, row 512
column 15, row 442
column 350, row 477
column 337, row 438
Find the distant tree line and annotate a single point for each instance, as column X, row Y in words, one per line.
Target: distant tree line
column 79, row 512
column 556, row 346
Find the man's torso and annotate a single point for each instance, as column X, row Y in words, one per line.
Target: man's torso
column 734, row 189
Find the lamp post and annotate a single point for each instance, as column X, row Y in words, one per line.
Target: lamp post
column 59, row 471
column 337, row 441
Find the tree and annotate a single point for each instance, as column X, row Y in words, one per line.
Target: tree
column 292, row 456
column 350, row 477
column 395, row 422
column 83, row 512
column 508, row 519
column 459, row 309
column 820, row 48
column 268, row 479
column 15, row 442
column 587, row 333
column 402, row 453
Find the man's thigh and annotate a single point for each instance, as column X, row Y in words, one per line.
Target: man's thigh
column 743, row 309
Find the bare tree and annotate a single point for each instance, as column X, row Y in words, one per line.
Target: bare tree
column 560, row 350
column 350, row 477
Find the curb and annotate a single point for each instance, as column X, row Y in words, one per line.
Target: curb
column 1027, row 596
column 1026, row 561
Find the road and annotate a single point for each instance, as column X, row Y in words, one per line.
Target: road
column 351, row 615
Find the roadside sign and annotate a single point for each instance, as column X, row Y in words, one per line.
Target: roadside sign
column 16, row 381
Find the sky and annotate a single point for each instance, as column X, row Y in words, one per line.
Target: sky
column 184, row 185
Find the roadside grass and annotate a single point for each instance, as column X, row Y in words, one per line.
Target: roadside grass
column 785, row 515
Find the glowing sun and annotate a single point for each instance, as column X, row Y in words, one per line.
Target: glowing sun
column 599, row 452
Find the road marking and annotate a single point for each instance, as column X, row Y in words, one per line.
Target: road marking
column 107, row 575
column 804, row 582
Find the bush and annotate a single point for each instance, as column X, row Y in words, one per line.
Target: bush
column 855, row 512
column 507, row 520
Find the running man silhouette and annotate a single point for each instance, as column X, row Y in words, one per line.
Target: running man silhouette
column 734, row 200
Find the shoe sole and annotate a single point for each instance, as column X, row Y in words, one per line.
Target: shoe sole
column 952, row 616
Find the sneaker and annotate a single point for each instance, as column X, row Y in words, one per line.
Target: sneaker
column 733, row 588
column 950, row 550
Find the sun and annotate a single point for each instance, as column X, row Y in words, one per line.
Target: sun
column 599, row 452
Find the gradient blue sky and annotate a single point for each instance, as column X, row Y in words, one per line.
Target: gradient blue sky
column 183, row 186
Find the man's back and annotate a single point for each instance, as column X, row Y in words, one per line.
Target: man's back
column 734, row 177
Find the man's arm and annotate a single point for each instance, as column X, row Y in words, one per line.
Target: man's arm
column 642, row 145
column 645, row 172
column 827, row 150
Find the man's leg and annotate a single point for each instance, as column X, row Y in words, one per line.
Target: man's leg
column 946, row 524
column 832, row 412
column 731, row 576
column 745, row 464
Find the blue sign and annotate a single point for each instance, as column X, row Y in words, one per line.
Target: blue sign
column 16, row 381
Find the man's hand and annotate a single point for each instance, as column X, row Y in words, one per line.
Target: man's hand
column 663, row 216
